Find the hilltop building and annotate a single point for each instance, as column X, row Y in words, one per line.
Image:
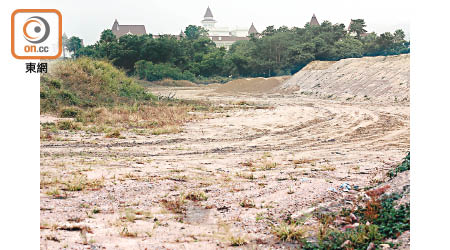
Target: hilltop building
column 225, row 36
column 121, row 30
column 314, row 21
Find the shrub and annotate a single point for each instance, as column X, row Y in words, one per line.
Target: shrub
column 289, row 232
column 114, row 134
column 68, row 125
column 70, row 112
column 67, row 98
column 56, row 83
column 154, row 72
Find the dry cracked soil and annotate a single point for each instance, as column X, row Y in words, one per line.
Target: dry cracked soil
column 233, row 174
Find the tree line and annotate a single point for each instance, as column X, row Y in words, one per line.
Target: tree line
column 275, row 51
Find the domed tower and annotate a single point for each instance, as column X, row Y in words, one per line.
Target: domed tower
column 208, row 21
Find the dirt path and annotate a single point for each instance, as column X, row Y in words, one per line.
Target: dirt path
column 282, row 153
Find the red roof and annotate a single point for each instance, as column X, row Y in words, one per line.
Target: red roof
column 121, row 30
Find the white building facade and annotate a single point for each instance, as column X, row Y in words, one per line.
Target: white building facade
column 225, row 36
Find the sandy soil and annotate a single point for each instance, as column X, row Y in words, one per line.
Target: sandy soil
column 381, row 77
column 252, row 85
column 282, row 152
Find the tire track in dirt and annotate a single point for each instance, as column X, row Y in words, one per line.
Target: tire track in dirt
column 356, row 141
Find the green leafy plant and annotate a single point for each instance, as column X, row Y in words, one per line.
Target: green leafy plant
column 404, row 166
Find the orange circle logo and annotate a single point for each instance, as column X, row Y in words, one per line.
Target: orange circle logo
column 36, row 29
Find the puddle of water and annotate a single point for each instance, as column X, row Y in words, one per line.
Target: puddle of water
column 196, row 215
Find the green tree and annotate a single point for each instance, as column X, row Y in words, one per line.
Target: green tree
column 269, row 31
column 74, row 44
column 107, row 36
column 399, row 36
column 349, row 47
column 357, row 26
column 194, row 32
column 385, row 43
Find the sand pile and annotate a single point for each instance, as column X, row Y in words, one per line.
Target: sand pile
column 252, row 85
column 381, row 77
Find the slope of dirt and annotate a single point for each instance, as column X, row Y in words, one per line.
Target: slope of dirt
column 252, row 85
column 382, row 77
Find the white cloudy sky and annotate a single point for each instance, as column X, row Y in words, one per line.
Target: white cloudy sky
column 88, row 18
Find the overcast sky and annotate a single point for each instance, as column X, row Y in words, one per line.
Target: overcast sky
column 88, row 18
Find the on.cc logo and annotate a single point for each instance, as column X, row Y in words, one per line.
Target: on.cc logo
column 36, row 34
column 36, row 29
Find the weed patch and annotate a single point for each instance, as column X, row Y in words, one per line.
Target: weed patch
column 289, row 232
column 68, row 125
column 175, row 206
column 404, row 166
column 196, row 196
column 236, row 241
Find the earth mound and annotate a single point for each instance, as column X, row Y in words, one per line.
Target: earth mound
column 252, row 85
column 381, row 77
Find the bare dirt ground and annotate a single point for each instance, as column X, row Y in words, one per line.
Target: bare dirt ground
column 273, row 156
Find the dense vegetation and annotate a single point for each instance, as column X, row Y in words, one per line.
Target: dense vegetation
column 272, row 52
column 88, row 83
column 102, row 98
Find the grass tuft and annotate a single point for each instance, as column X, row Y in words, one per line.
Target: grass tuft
column 196, row 196
column 289, row 232
column 236, row 241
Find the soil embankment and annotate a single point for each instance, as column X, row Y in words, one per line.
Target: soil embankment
column 381, row 77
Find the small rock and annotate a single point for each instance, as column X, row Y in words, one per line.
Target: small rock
column 345, row 243
column 332, row 189
column 385, row 246
column 371, row 246
column 353, row 217
column 345, row 187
